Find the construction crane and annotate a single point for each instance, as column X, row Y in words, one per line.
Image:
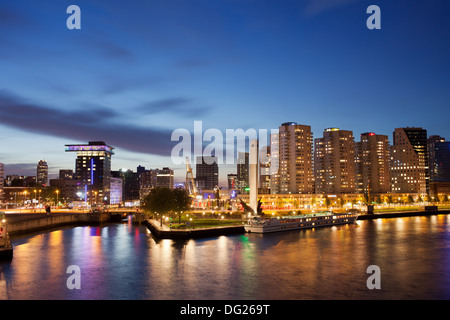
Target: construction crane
column 190, row 183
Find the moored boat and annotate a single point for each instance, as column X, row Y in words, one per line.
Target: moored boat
column 258, row 224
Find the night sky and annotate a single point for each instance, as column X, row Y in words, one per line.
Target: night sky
column 138, row 70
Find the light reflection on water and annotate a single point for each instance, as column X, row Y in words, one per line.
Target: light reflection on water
column 124, row 261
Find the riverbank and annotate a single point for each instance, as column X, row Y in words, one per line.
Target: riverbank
column 162, row 231
column 21, row 224
column 400, row 214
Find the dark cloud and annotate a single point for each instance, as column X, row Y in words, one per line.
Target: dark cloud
column 178, row 105
column 93, row 123
column 9, row 18
column 21, row 169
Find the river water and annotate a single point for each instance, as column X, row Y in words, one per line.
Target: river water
column 124, row 261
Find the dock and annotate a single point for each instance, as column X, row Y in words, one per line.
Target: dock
column 164, row 232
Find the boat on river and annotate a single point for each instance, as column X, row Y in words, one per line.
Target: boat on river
column 259, row 224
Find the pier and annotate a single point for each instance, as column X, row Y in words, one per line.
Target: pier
column 164, row 232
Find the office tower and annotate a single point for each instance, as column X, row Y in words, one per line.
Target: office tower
column 116, row 187
column 42, row 173
column 274, row 163
column 334, row 162
column 140, row 169
column 372, row 164
column 93, row 170
column 130, row 184
column 232, row 178
column 147, row 182
column 2, row 180
column 153, row 178
column 264, row 170
column 253, row 174
column 66, row 185
column 164, row 178
column 207, row 173
column 295, row 158
column 439, row 158
column 242, row 171
column 66, row 174
column 409, row 161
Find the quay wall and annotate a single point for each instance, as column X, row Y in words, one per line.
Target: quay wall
column 401, row 214
column 55, row 220
column 166, row 233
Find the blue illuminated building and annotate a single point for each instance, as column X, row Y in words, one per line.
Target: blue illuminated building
column 93, row 170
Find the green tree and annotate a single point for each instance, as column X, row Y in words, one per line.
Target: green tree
column 327, row 201
column 165, row 200
column 181, row 201
column 389, row 200
column 410, row 199
column 158, row 200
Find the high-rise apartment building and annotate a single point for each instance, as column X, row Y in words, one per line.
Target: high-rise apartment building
column 42, row 173
column 242, row 171
column 439, row 159
column 334, row 162
column 232, row 178
column 164, row 178
column 295, row 158
column 274, row 163
column 264, row 170
column 372, row 164
column 93, row 170
column 207, row 173
column 409, row 161
column 2, row 180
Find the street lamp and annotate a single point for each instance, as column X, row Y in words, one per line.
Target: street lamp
column 25, row 197
column 57, row 198
column 35, row 191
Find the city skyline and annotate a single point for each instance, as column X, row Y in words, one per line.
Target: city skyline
column 134, row 73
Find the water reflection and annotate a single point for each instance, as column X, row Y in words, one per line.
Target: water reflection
column 124, row 261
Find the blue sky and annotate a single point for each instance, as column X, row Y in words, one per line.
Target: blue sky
column 138, row 70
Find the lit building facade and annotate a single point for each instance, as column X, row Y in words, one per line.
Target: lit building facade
column 2, row 181
column 164, row 178
column 242, row 181
column 334, row 162
column 295, row 158
column 264, row 170
column 207, row 173
column 116, row 185
column 439, row 159
column 409, row 161
column 42, row 173
column 274, row 163
column 372, row 164
column 93, row 170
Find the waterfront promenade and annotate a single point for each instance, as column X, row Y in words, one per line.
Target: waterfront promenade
column 20, row 223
